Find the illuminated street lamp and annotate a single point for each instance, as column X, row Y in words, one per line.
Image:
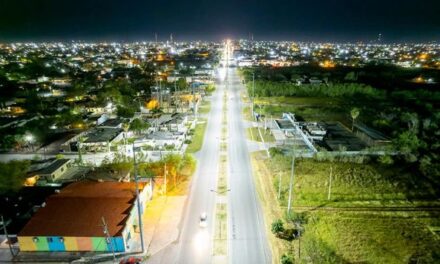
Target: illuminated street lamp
column 30, row 139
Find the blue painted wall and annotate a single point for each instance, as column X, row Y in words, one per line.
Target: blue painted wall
column 55, row 244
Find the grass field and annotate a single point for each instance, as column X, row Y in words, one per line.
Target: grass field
column 351, row 184
column 306, row 108
column 197, row 138
column 338, row 236
column 252, row 133
column 366, row 238
column 205, row 107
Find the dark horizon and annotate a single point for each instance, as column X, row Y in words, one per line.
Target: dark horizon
column 134, row 20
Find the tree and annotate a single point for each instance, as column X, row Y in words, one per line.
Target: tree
column 408, row 143
column 277, row 227
column 13, row 175
column 125, row 127
column 126, row 112
column 181, row 84
column 138, row 125
column 351, row 76
column 354, row 114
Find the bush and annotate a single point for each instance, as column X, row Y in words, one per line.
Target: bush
column 286, row 259
column 277, row 227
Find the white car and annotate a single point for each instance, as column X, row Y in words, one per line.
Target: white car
column 203, row 221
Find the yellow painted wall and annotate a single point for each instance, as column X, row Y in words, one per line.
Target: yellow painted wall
column 70, row 243
column 26, row 244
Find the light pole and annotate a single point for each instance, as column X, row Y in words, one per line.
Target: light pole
column 138, row 200
column 30, row 140
column 5, row 231
column 292, row 175
column 253, row 93
column 292, row 178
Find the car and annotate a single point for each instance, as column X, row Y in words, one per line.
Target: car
column 203, row 221
column 131, row 260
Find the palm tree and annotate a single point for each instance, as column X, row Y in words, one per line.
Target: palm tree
column 354, row 114
column 125, row 127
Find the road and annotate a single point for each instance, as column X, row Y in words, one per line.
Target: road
column 195, row 243
column 248, row 243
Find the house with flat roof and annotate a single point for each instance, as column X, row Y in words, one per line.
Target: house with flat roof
column 72, row 220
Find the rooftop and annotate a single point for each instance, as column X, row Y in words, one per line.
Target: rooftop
column 54, row 166
column 102, row 134
column 78, row 209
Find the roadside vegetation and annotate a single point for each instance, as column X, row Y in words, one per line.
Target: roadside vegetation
column 197, row 136
column 352, row 209
column 376, row 213
column 205, row 107
column 254, row 134
column 402, row 110
column 13, row 175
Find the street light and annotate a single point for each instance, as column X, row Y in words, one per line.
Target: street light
column 29, row 138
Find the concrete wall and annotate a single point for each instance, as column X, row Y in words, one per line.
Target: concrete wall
column 61, row 244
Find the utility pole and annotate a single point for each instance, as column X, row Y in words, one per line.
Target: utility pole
column 253, row 92
column 279, row 187
column 5, row 231
column 160, row 92
column 108, row 238
column 292, row 173
column 138, row 200
column 194, row 102
column 165, row 177
column 330, row 183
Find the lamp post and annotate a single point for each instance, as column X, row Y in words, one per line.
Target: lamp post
column 138, row 200
column 29, row 138
column 7, row 235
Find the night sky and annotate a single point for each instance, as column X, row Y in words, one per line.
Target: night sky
column 305, row 20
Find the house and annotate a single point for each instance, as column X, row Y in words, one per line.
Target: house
column 52, row 171
column 177, row 123
column 112, row 123
column 95, row 139
column 162, row 140
column 73, row 219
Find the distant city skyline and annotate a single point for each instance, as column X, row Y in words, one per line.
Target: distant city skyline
column 135, row 20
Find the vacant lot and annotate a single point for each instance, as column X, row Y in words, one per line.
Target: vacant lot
column 306, row 108
column 253, row 134
column 356, row 225
column 351, row 184
column 369, row 238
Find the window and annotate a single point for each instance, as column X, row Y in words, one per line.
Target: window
column 49, row 240
column 35, row 239
column 61, row 239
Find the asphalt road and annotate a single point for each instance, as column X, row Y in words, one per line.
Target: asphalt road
column 247, row 237
column 195, row 243
column 247, row 241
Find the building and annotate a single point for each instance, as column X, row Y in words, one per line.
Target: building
column 53, row 171
column 72, row 220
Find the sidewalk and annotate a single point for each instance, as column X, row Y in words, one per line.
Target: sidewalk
column 161, row 222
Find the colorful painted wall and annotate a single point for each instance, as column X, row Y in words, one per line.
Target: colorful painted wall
column 43, row 243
